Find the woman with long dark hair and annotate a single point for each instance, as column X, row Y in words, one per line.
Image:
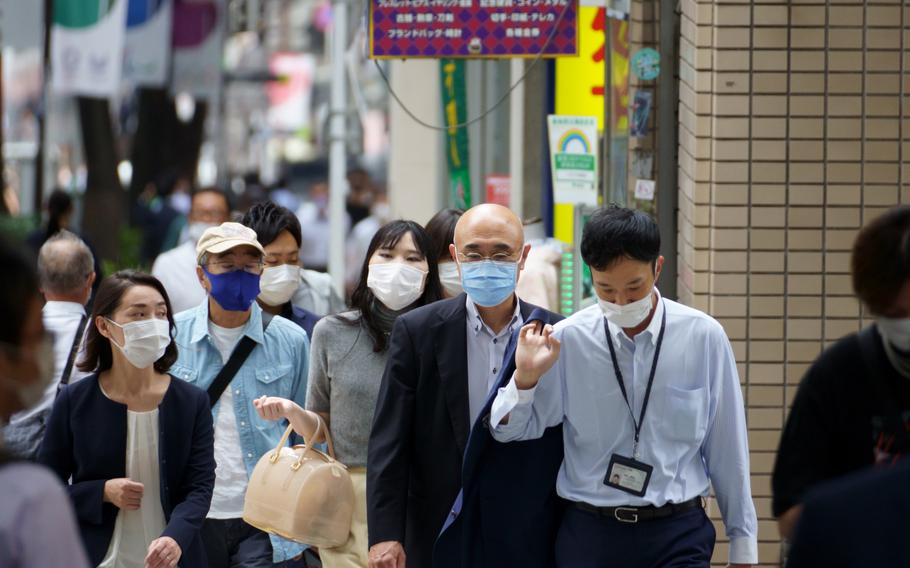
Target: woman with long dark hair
column 347, row 359
column 134, row 444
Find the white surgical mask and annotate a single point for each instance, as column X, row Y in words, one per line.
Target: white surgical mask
column 144, row 342
column 895, row 331
column 450, row 279
column 278, row 284
column 194, row 231
column 396, row 284
column 629, row 315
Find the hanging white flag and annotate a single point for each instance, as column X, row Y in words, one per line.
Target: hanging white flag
column 198, row 40
column 148, row 42
column 87, row 46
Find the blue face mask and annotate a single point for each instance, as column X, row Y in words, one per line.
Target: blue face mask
column 489, row 283
column 234, row 291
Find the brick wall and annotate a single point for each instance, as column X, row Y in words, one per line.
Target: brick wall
column 794, row 132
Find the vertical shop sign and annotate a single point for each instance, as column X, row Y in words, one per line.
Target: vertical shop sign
column 573, row 158
column 454, row 109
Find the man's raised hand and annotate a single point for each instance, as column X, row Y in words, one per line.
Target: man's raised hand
column 536, row 353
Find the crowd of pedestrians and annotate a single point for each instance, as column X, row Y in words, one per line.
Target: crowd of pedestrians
column 477, row 429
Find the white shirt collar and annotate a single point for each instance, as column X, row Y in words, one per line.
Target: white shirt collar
column 57, row 307
column 476, row 323
column 653, row 328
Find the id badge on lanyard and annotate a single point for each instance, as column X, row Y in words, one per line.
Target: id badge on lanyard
column 625, row 473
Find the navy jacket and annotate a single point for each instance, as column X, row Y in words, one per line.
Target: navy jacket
column 857, row 521
column 304, row 318
column 418, row 441
column 86, row 440
column 507, row 513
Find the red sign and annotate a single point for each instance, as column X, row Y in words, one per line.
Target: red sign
column 473, row 28
column 498, row 189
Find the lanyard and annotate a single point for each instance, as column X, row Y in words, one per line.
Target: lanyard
column 622, row 387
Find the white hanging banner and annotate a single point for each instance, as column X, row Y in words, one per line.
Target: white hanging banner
column 87, row 40
column 148, row 42
column 198, row 41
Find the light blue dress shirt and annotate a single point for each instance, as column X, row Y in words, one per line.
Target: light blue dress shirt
column 694, row 432
column 278, row 366
column 486, row 351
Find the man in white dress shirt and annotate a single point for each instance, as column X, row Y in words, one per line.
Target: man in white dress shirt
column 66, row 274
column 176, row 268
column 649, row 397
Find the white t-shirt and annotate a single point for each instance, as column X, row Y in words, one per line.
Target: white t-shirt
column 176, row 269
column 230, row 472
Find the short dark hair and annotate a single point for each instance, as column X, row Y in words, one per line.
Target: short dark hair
column 98, row 356
column 269, row 219
column 362, row 298
column 614, row 233
column 213, row 189
column 881, row 259
column 18, row 289
column 441, row 229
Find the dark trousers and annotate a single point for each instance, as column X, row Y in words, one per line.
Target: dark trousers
column 585, row 540
column 232, row 543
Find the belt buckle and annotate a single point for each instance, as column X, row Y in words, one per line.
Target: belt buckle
column 633, row 518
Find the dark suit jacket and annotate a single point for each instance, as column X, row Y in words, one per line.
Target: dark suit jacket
column 857, row 521
column 304, row 318
column 86, row 440
column 420, row 429
column 508, row 512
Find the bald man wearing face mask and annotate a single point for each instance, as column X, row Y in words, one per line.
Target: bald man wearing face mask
column 444, row 360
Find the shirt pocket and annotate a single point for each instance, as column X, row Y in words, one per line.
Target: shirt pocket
column 685, row 416
column 274, row 381
column 184, row 373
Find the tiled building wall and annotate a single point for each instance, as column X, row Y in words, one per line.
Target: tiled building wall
column 794, row 132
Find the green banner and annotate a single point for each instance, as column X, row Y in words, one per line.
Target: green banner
column 455, row 111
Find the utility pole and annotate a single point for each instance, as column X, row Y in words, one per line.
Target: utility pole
column 338, row 185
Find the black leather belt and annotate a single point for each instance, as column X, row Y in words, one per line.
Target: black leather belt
column 636, row 514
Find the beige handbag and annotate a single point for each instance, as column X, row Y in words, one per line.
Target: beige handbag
column 301, row 494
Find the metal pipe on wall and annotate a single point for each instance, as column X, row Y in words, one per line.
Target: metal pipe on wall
column 338, row 184
column 667, row 140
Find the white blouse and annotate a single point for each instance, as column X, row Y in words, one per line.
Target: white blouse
column 135, row 530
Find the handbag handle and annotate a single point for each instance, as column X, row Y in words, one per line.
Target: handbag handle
column 320, row 429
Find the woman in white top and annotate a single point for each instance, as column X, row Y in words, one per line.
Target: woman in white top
column 136, row 445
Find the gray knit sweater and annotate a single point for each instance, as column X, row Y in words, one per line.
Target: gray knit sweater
column 344, row 380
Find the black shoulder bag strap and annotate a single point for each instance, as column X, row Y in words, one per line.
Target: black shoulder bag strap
column 891, row 414
column 74, row 350
column 236, row 360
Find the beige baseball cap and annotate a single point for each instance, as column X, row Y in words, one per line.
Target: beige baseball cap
column 224, row 237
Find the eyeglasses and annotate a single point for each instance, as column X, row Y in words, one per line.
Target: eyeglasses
column 225, row 266
column 497, row 257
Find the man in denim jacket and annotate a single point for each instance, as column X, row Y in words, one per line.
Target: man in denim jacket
column 230, row 262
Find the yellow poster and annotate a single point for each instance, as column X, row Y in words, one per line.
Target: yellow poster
column 580, row 80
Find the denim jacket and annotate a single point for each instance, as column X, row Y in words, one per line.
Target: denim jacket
column 276, row 367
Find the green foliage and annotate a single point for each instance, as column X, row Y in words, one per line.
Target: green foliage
column 17, row 228
column 130, row 240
